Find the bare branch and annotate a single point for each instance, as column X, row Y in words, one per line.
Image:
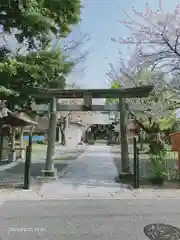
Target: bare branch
column 176, row 43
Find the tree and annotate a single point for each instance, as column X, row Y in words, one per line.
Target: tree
column 157, row 40
column 155, row 113
column 33, row 24
column 46, row 68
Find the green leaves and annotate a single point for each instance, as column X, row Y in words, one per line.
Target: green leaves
column 113, row 85
column 35, row 19
column 34, row 69
column 167, row 122
column 46, row 68
column 5, row 92
column 156, row 111
column 64, row 13
column 34, row 23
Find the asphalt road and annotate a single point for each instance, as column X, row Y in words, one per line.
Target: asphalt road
column 85, row 219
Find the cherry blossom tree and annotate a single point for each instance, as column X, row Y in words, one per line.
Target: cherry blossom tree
column 156, row 36
column 155, row 113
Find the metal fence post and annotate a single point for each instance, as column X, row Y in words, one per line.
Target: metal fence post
column 28, row 163
column 134, row 160
column 137, row 168
column 135, row 163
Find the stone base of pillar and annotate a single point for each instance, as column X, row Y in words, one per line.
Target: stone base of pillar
column 126, row 177
column 48, row 174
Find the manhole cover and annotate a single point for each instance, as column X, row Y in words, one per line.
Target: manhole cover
column 158, row 231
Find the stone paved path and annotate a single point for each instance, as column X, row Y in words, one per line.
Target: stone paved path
column 92, row 174
column 13, row 174
column 39, row 154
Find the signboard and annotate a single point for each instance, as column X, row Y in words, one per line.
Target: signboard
column 72, row 105
column 35, row 138
column 67, row 101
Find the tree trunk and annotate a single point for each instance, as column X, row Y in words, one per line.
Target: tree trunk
column 156, row 145
column 62, row 130
column 63, row 138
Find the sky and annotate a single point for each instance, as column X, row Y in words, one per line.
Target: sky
column 100, row 20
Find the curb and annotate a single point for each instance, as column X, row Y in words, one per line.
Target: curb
column 9, row 196
column 10, row 165
column 107, row 198
column 11, row 185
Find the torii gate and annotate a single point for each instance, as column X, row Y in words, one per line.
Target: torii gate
column 86, row 94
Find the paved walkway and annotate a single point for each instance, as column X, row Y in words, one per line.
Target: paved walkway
column 39, row 152
column 92, row 174
column 13, row 174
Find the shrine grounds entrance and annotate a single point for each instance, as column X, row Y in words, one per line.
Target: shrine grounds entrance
column 101, row 132
column 52, row 95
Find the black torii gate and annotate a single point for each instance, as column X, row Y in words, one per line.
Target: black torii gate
column 86, row 94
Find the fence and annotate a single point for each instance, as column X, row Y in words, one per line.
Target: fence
column 145, row 164
column 169, row 161
column 146, row 167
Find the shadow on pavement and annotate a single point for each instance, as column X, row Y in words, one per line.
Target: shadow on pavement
column 15, row 175
column 35, row 168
